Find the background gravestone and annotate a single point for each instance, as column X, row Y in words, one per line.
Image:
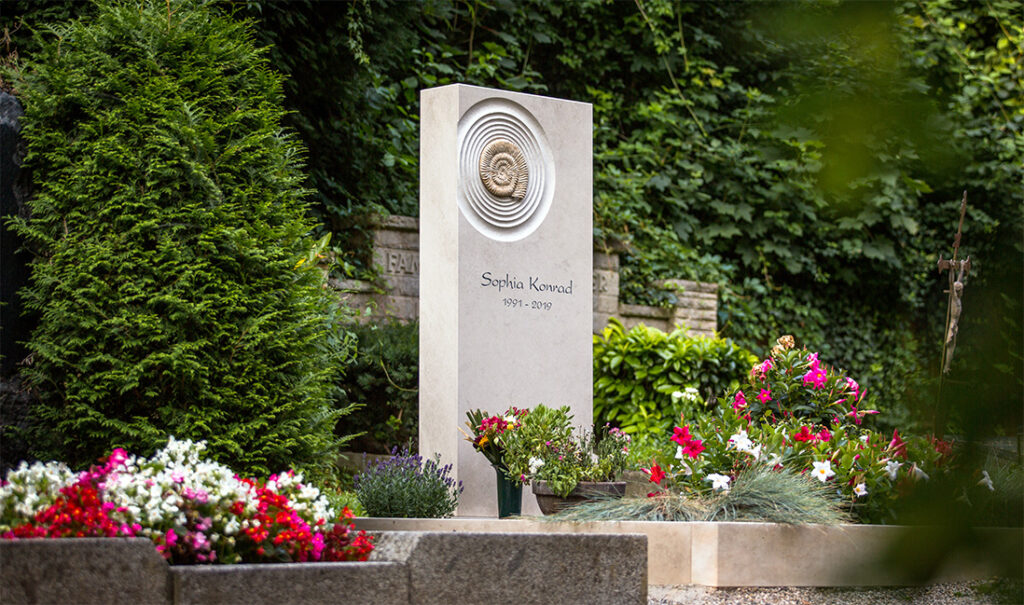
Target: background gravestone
column 505, row 267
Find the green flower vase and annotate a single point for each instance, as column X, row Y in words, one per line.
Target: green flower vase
column 510, row 495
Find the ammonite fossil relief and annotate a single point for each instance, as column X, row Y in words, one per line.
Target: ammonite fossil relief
column 503, row 170
column 506, row 170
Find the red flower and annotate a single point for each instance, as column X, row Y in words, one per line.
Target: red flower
column 656, row 473
column 804, row 434
column 823, row 435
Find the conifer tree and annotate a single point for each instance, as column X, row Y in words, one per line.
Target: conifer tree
column 169, row 233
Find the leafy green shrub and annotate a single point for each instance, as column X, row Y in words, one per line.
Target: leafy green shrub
column 644, row 379
column 170, row 241
column 382, row 380
column 408, row 486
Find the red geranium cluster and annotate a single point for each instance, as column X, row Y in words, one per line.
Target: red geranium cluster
column 341, row 545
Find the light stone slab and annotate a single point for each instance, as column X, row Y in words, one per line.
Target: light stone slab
column 490, row 336
column 668, row 544
column 769, row 554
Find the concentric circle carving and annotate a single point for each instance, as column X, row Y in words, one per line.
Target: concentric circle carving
column 503, row 170
column 506, row 171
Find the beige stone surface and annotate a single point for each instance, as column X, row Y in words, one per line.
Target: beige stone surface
column 668, row 544
column 761, row 554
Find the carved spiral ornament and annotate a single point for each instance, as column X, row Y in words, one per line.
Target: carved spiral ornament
column 503, row 170
column 506, row 171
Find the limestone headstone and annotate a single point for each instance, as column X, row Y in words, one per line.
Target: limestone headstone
column 505, row 267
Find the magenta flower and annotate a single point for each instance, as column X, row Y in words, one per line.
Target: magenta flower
column 816, row 376
column 765, row 396
column 740, row 401
column 681, row 435
column 693, row 448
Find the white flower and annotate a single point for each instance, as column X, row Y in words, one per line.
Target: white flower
column 891, row 468
column 740, row 441
column 689, row 394
column 719, row 482
column 860, row 489
column 865, row 438
column 774, row 459
column 986, row 481
column 918, row 473
column 823, row 471
column 535, row 464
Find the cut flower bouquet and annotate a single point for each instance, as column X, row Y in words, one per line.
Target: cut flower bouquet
column 541, row 446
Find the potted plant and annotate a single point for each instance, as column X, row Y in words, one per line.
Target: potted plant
column 488, row 435
column 564, row 469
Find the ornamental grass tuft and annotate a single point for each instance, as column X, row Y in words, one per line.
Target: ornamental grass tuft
column 760, row 494
column 408, row 486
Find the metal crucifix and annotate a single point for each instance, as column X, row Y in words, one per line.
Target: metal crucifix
column 958, row 271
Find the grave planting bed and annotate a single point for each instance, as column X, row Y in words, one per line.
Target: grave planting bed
column 752, row 554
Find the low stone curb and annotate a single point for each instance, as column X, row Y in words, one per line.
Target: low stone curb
column 411, row 568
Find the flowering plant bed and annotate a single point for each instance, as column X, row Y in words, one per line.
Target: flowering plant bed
column 798, row 414
column 193, row 510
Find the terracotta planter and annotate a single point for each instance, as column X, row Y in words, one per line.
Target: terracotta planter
column 550, row 504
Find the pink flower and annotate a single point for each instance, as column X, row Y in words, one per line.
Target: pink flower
column 766, row 365
column 171, row 538
column 765, row 396
column 693, row 448
column 897, row 445
column 740, row 401
column 823, row 435
column 816, row 376
column 681, row 435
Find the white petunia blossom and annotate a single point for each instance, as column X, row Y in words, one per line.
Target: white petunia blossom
column 535, row 464
column 918, row 473
column 987, row 481
column 891, row 468
column 860, row 489
column 719, row 482
column 823, row 471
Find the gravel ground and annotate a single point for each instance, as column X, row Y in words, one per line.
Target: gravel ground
column 961, row 593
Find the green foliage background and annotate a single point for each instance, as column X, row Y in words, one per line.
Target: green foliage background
column 172, row 275
column 637, row 372
column 809, row 158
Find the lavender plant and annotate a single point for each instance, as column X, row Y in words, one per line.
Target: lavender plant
column 408, row 486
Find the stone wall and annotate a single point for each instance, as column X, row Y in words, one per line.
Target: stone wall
column 396, row 253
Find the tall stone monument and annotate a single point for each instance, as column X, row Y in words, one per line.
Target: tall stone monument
column 506, row 246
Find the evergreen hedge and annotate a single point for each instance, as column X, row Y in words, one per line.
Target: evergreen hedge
column 170, row 242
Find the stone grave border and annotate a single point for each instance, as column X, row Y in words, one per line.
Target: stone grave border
column 730, row 554
column 405, row 568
